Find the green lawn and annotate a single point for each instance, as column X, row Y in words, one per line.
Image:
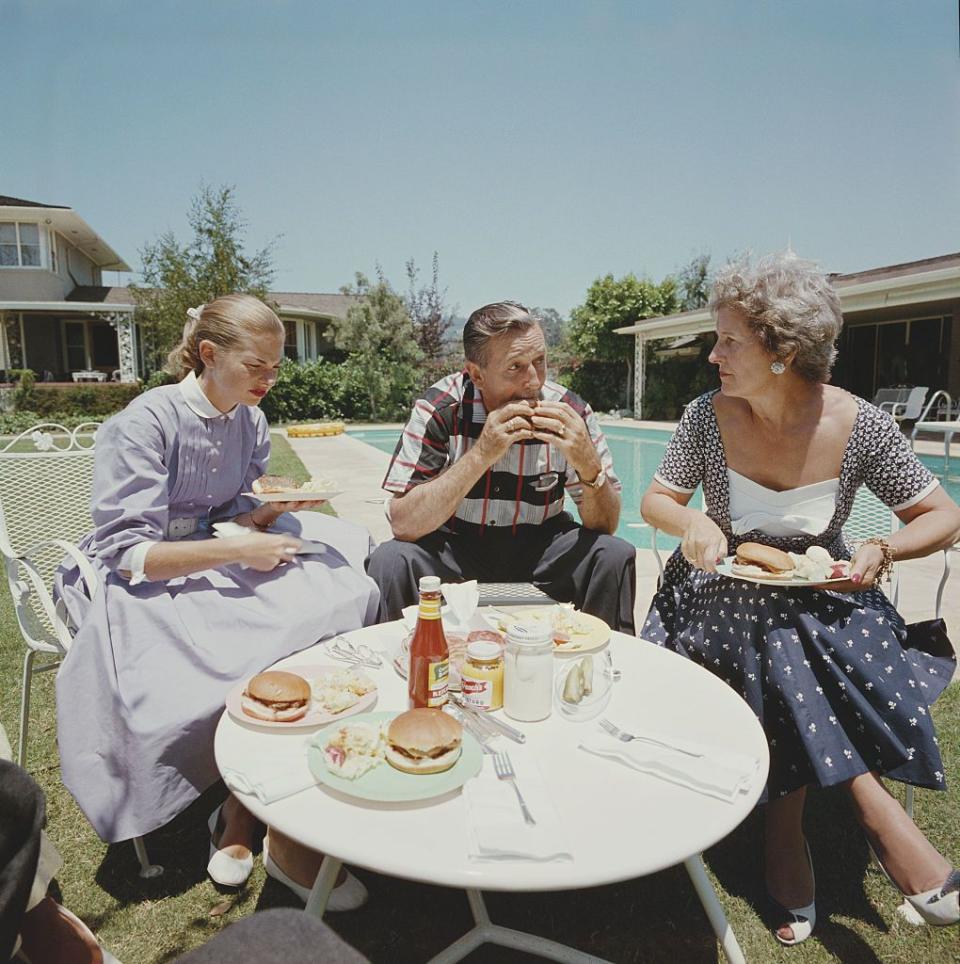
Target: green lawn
column 653, row 919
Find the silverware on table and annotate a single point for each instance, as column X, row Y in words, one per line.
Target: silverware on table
column 504, row 771
column 625, row 737
column 491, row 722
column 349, row 652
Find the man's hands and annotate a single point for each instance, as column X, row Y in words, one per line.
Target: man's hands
column 503, row 427
column 559, row 425
column 703, row 543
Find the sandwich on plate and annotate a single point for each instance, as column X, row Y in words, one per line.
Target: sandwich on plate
column 276, row 696
column 423, row 741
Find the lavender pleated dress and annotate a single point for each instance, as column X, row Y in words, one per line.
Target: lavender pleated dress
column 141, row 689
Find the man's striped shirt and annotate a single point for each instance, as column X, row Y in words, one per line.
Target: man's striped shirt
column 525, row 487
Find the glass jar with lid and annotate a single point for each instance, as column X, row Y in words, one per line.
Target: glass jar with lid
column 528, row 672
column 481, row 677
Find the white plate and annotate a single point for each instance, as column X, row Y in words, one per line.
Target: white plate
column 295, row 495
column 315, row 716
column 725, row 568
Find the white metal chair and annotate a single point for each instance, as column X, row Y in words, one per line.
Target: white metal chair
column 46, row 475
column 947, row 427
column 909, row 409
column 512, row 594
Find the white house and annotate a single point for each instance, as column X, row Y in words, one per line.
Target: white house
column 58, row 318
column 901, row 326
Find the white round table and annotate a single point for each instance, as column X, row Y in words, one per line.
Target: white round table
column 625, row 824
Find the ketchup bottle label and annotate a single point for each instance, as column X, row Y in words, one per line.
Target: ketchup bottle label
column 437, row 682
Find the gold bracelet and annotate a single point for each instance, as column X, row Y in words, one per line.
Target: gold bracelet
column 887, row 565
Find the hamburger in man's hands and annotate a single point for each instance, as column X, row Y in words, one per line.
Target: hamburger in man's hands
column 276, row 696
column 423, row 741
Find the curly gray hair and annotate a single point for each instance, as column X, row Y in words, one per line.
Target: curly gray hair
column 791, row 306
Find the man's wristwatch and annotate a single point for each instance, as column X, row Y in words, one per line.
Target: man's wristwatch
column 597, row 482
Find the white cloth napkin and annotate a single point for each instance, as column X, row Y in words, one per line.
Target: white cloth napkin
column 719, row 773
column 282, row 779
column 496, row 829
column 463, row 599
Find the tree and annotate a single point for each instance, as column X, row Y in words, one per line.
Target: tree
column 180, row 276
column 613, row 303
column 428, row 312
column 379, row 337
column 693, row 283
column 553, row 325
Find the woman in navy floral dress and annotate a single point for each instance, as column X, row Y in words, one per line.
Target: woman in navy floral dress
column 780, row 455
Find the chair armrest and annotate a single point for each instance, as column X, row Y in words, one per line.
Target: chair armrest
column 33, row 587
column 90, row 578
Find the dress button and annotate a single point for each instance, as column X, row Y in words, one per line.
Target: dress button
column 496, row 490
column 213, row 470
column 493, row 522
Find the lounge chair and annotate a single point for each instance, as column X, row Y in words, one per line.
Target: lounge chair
column 946, row 428
column 910, row 409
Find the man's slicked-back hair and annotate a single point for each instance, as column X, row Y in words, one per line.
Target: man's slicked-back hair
column 489, row 322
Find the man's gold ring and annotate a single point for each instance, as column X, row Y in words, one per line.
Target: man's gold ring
column 562, row 431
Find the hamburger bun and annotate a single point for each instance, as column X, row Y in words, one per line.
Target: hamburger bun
column 766, row 558
column 276, row 697
column 423, row 741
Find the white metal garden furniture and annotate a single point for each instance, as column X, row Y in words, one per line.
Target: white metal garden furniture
column 46, row 474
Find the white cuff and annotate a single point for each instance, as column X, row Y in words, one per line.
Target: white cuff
column 138, row 559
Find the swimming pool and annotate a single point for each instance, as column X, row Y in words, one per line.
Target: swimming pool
column 636, row 454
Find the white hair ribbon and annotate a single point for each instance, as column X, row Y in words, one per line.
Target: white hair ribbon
column 195, row 313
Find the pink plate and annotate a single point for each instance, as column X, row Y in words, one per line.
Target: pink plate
column 315, row 716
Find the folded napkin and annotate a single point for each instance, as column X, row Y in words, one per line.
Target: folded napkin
column 719, row 773
column 281, row 779
column 230, row 530
column 496, row 829
column 463, row 599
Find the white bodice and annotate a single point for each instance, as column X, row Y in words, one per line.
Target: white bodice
column 806, row 510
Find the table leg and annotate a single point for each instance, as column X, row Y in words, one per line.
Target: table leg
column 320, row 893
column 486, row 932
column 718, row 920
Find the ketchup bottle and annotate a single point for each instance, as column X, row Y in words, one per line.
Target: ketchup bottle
column 429, row 655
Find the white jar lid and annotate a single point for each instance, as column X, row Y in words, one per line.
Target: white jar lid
column 483, row 649
column 429, row 583
column 530, row 634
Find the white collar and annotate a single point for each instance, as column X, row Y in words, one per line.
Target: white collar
column 198, row 402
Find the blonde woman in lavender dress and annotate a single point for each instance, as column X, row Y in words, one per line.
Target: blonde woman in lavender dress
column 180, row 617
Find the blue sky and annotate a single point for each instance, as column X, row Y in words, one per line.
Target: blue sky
column 535, row 145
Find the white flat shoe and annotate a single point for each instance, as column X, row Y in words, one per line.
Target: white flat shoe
column 223, row 869
column 349, row 895
column 804, row 919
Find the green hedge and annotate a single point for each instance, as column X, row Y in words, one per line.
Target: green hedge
column 87, row 400
column 316, row 390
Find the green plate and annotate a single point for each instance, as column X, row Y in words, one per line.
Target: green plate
column 386, row 784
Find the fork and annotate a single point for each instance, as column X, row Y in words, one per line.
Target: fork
column 504, row 771
column 625, row 737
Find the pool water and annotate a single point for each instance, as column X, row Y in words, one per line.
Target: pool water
column 636, row 454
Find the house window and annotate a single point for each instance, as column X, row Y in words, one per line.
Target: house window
column 19, row 245
column 76, row 346
column 290, row 340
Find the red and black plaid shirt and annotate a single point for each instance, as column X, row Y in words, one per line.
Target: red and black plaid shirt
column 526, row 487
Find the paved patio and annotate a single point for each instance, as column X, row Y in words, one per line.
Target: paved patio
column 360, row 469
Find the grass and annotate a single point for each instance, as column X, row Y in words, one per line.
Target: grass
column 653, row 919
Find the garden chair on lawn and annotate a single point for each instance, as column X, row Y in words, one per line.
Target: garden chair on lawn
column 46, row 475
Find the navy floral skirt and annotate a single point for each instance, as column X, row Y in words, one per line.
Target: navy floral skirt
column 827, row 674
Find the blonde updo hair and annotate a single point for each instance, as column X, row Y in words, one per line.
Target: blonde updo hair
column 229, row 321
column 790, row 305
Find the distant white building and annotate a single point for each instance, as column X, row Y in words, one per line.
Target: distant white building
column 58, row 318
column 901, row 326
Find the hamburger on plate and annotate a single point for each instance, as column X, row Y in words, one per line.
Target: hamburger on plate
column 423, row 741
column 765, row 562
column 272, row 484
column 276, row 696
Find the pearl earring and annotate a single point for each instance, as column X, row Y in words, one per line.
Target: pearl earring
column 778, row 367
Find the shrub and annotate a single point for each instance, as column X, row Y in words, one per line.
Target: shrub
column 316, row 390
column 13, row 423
column 81, row 400
column 602, row 384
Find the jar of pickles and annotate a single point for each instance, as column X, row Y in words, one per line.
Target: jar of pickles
column 481, row 678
